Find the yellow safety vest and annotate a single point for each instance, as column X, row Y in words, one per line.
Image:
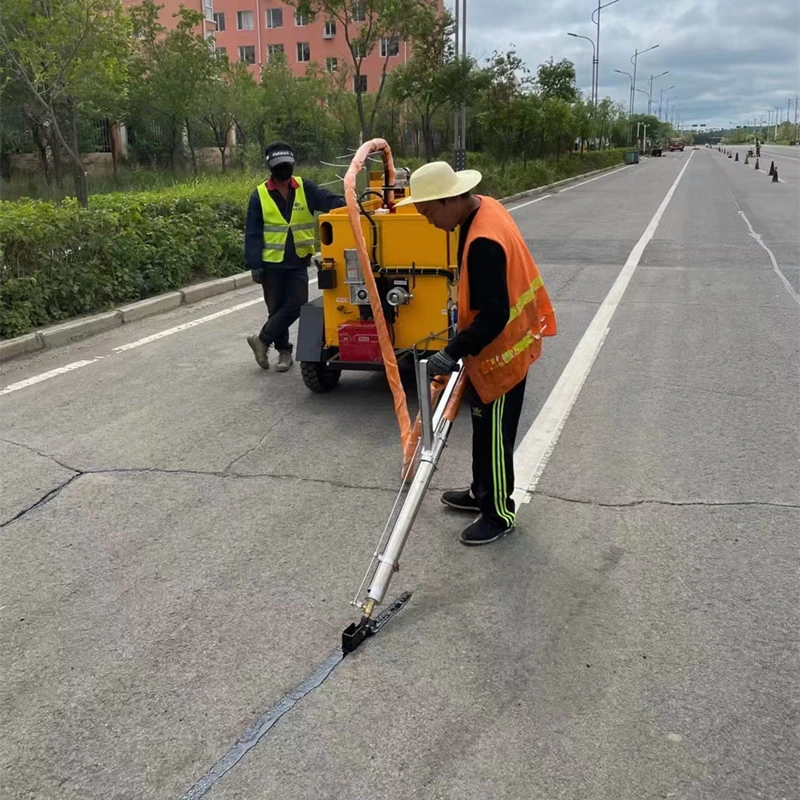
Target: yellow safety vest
column 276, row 229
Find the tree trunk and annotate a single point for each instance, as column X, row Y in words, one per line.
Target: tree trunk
column 41, row 145
column 78, row 169
column 191, row 148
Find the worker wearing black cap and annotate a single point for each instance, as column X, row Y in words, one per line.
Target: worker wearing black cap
column 279, row 243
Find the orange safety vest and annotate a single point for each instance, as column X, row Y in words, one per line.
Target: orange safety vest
column 504, row 362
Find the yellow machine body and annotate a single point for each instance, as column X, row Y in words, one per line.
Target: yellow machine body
column 410, row 253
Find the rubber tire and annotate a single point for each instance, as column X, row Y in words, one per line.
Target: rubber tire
column 319, row 378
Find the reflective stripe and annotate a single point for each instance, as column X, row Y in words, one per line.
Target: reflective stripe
column 304, row 226
column 275, row 228
column 504, row 358
column 270, row 246
column 525, row 298
column 499, row 463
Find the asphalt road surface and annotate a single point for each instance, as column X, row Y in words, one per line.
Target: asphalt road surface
column 182, row 533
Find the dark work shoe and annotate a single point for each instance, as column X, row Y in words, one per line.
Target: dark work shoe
column 285, row 361
column 260, row 351
column 482, row 532
column 461, row 500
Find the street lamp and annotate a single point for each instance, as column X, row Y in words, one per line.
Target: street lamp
column 597, row 51
column 634, row 61
column 594, row 61
column 661, row 98
column 650, row 93
column 630, row 91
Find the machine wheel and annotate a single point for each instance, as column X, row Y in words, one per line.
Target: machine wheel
column 319, row 378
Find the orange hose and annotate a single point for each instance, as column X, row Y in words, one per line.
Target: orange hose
column 409, row 435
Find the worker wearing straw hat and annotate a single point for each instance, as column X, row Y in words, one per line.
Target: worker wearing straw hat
column 503, row 313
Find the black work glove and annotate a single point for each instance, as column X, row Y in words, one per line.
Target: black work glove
column 441, row 364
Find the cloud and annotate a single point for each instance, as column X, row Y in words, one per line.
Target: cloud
column 729, row 60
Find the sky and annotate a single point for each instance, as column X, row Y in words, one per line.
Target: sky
column 730, row 61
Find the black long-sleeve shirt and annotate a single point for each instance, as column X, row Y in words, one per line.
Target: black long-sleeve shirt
column 488, row 294
column 318, row 199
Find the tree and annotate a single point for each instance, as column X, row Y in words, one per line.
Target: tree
column 365, row 23
column 171, row 72
column 69, row 57
column 557, row 80
column 506, row 81
column 432, row 77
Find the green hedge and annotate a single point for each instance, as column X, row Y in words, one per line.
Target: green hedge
column 59, row 261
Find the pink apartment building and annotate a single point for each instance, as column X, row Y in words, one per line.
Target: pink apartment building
column 251, row 31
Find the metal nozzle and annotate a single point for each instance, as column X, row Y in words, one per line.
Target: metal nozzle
column 369, row 607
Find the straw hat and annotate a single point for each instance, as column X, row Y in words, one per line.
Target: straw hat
column 438, row 180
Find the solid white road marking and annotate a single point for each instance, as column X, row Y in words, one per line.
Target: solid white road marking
column 530, row 202
column 596, row 178
column 533, row 452
column 13, row 387
column 185, row 326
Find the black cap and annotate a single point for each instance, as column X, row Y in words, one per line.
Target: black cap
column 279, row 153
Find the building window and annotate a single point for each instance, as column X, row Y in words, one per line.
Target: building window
column 219, row 19
column 358, row 13
column 329, row 31
column 208, row 9
column 303, row 51
column 360, row 84
column 274, row 49
column 331, row 64
column 357, row 48
column 390, row 46
column 274, row 17
column 300, row 20
column 247, row 54
column 244, row 20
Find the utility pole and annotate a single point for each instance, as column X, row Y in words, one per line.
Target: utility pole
column 635, row 61
column 596, row 88
column 650, row 93
column 460, row 122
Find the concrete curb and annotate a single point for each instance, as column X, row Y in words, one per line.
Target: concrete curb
column 74, row 330
column 83, row 327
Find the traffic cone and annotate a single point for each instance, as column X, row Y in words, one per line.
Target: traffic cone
column 737, row 157
column 775, row 177
column 747, row 159
column 757, row 167
column 772, row 168
column 729, row 155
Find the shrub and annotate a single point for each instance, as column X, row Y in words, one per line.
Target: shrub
column 58, row 260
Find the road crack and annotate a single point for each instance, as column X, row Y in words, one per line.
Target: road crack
column 670, row 503
column 80, row 473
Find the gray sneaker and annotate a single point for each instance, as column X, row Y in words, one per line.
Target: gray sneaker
column 285, row 361
column 260, row 351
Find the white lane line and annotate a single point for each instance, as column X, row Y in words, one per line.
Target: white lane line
column 596, row 178
column 193, row 324
column 185, row 326
column 14, row 387
column 530, row 202
column 533, row 452
column 574, row 186
column 53, row 373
